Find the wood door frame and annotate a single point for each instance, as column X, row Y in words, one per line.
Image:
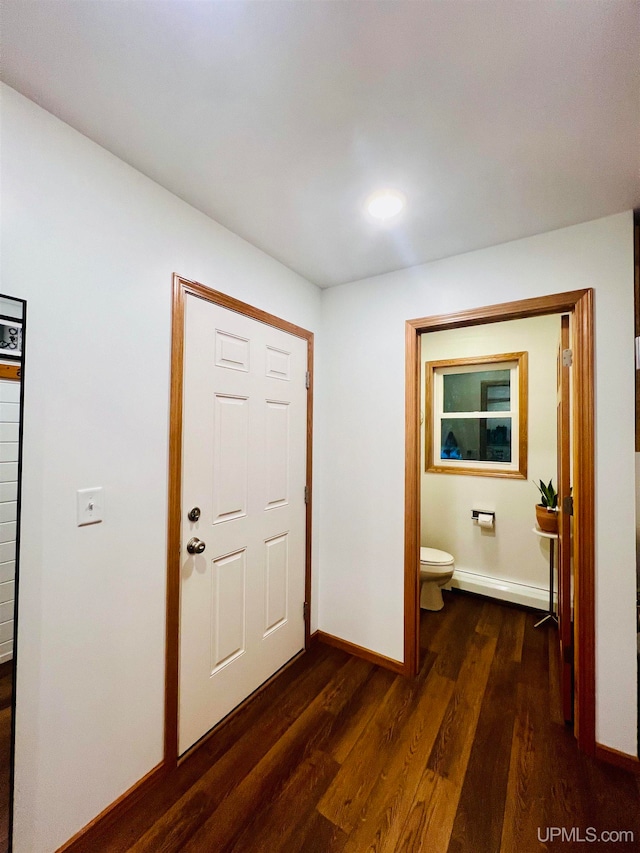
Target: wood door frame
column 181, row 288
column 580, row 305
column 563, row 545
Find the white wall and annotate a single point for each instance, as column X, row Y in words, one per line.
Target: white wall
column 362, row 437
column 510, row 551
column 92, row 244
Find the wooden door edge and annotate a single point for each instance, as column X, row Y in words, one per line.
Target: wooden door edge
column 173, row 532
column 584, row 522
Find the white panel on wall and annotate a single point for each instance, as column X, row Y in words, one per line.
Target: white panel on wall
column 10, row 391
column 8, row 510
column 6, row 631
column 277, row 453
column 8, row 472
column 276, row 577
column 7, row 551
column 232, row 351
column 8, row 531
column 6, row 591
column 10, row 412
column 11, row 308
column 8, row 492
column 230, row 437
column 9, row 451
column 278, row 363
column 9, row 430
column 228, row 601
column 7, row 571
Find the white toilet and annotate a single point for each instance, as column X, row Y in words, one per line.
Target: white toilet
column 436, row 569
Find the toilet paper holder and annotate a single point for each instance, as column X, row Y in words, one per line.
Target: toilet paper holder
column 477, row 512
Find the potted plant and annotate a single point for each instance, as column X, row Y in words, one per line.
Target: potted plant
column 547, row 509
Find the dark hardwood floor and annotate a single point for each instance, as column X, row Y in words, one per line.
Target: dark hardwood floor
column 6, row 691
column 339, row 756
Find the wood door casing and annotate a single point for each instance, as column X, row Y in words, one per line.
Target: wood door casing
column 565, row 586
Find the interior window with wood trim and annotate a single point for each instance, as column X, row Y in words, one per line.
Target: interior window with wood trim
column 476, row 416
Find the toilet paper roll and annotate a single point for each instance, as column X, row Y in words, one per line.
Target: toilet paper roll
column 485, row 520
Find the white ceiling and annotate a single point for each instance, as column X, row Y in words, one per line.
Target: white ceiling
column 498, row 120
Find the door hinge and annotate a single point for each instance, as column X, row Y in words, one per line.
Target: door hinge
column 567, row 505
column 306, row 494
column 567, row 357
column 305, row 610
column 307, row 380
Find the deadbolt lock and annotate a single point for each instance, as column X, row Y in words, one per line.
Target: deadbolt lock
column 194, row 514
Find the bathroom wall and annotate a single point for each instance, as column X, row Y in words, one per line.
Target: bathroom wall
column 510, row 552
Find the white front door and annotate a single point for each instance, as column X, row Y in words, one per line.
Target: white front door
column 244, row 468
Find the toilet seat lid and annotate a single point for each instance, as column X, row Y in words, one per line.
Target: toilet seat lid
column 434, row 557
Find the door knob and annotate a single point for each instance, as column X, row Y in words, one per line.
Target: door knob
column 194, row 514
column 195, row 546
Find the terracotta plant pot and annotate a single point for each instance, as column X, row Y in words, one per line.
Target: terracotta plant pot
column 547, row 519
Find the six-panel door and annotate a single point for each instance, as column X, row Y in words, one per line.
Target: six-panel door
column 244, row 467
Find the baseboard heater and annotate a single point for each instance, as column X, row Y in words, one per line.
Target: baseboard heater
column 504, row 590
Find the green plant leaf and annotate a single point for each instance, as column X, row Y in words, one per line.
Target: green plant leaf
column 549, row 496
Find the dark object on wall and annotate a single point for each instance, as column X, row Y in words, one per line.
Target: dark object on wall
column 10, row 338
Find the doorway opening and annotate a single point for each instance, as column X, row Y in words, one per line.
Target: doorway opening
column 579, row 305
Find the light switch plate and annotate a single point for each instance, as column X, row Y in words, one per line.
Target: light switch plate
column 90, row 505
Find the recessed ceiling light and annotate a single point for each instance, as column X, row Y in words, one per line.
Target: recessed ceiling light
column 385, row 204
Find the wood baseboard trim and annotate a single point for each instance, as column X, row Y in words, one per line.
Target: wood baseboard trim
column 359, row 652
column 620, row 759
column 83, row 840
